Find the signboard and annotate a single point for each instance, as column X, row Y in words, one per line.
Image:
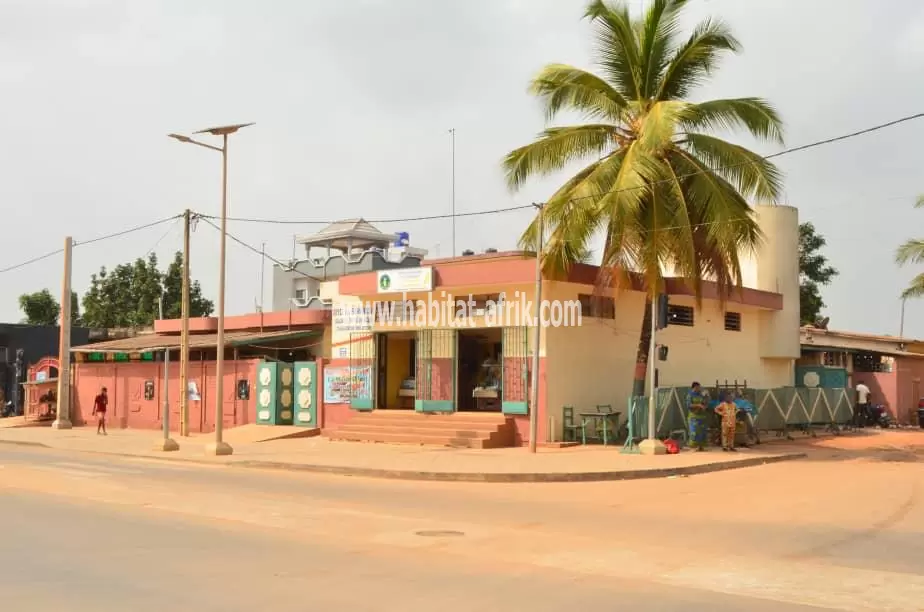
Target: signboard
column 351, row 317
column 405, row 280
column 343, row 383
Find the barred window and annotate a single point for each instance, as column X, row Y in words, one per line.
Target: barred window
column 680, row 315
column 732, row 321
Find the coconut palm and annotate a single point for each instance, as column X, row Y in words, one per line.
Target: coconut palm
column 912, row 251
column 663, row 192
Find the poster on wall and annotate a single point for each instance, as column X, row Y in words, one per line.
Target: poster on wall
column 343, row 383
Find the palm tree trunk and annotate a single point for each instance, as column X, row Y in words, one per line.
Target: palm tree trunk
column 641, row 359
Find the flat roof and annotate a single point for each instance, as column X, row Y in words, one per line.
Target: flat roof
column 160, row 342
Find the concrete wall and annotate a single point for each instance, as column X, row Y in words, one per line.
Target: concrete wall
column 707, row 352
column 128, row 407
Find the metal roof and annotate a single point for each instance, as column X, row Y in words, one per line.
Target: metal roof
column 356, row 233
column 160, row 342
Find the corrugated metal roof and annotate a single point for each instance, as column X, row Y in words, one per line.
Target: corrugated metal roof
column 159, row 342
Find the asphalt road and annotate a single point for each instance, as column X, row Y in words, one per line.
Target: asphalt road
column 83, row 532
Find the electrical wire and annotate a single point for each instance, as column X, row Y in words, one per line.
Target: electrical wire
column 797, row 149
column 404, row 220
column 91, row 241
column 164, row 235
column 257, row 251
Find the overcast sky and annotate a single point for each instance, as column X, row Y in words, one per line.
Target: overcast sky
column 353, row 100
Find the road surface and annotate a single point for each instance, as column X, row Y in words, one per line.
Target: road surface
column 84, row 532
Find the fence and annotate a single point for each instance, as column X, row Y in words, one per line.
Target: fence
column 782, row 409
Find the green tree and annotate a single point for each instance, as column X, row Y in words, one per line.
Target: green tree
column 814, row 272
column 912, row 252
column 662, row 191
column 130, row 294
column 40, row 308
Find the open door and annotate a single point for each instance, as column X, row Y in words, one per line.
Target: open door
column 436, row 370
column 362, row 371
column 515, row 373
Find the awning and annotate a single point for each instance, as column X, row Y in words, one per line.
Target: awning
column 160, row 342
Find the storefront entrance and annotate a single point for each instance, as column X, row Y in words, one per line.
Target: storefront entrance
column 396, row 372
column 480, row 370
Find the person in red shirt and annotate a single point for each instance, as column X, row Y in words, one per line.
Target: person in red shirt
column 100, row 404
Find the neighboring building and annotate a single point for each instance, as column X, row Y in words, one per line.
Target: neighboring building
column 345, row 247
column 890, row 366
column 35, row 342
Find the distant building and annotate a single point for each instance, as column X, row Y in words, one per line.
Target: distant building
column 35, row 342
column 351, row 246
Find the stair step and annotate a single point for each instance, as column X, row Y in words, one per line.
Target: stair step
column 421, row 424
column 396, row 438
column 416, row 431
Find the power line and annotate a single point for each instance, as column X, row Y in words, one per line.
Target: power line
column 404, row 220
column 259, row 252
column 91, row 241
column 164, row 235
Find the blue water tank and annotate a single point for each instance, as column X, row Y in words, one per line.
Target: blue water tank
column 402, row 239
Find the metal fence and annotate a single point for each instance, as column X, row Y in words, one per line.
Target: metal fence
column 780, row 410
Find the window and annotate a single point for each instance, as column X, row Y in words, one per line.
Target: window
column 732, row 321
column 680, row 315
column 834, row 359
column 597, row 306
column 872, row 362
column 301, row 296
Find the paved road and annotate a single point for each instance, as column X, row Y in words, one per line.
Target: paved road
column 82, row 532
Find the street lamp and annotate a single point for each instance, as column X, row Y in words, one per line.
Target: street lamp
column 219, row 446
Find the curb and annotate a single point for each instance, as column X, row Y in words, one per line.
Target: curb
column 489, row 477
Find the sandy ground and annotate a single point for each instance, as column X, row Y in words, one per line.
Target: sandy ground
column 843, row 530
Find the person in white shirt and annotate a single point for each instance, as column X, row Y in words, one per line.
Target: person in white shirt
column 861, row 412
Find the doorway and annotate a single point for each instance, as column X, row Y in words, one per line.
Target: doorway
column 480, row 370
column 397, row 370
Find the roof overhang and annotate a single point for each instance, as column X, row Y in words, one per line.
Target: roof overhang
column 163, row 342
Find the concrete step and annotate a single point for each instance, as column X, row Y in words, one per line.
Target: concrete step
column 456, row 417
column 446, row 432
column 397, row 438
column 423, row 424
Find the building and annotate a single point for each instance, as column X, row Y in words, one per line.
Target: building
column 22, row 346
column 890, row 366
column 379, row 369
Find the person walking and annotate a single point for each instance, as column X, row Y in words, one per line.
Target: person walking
column 100, row 406
column 861, row 412
column 728, row 410
column 696, row 408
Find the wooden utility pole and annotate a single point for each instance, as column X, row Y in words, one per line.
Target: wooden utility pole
column 63, row 415
column 184, row 334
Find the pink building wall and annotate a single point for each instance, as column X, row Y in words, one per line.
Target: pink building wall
column 128, row 407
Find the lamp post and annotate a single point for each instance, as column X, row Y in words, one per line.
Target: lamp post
column 219, row 446
column 166, row 444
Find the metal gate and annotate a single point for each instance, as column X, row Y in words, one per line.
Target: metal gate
column 362, row 371
column 515, row 370
column 436, row 370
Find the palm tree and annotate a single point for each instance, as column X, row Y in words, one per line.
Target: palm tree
column 663, row 192
column 912, row 251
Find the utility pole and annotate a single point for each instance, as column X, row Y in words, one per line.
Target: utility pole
column 901, row 325
column 166, row 444
column 63, row 414
column 537, row 338
column 452, row 138
column 652, row 445
column 184, row 333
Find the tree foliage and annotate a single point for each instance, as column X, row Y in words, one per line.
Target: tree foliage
column 129, row 295
column 912, row 252
column 663, row 192
column 814, row 272
column 40, row 308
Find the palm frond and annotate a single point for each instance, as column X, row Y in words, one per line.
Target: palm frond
column 617, row 46
column 750, row 173
column 919, row 203
column 915, row 288
column 755, row 115
column 656, row 32
column 911, row 251
column 554, row 149
column 563, row 87
column 694, row 60
column 659, row 125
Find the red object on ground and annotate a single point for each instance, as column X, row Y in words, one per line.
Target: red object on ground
column 672, row 447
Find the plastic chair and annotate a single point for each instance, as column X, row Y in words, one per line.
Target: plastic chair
column 570, row 427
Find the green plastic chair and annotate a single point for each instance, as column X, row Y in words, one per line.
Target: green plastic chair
column 570, row 427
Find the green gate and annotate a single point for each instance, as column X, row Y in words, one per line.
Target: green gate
column 362, row 371
column 436, row 370
column 515, row 370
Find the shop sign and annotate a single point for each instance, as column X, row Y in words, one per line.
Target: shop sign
column 405, row 280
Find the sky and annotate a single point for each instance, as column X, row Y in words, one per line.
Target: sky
column 353, row 101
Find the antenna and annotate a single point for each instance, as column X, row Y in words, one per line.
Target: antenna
column 452, row 139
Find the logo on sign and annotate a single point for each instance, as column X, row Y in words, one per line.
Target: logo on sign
column 384, row 282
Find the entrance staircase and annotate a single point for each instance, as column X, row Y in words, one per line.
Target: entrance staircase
column 458, row 429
